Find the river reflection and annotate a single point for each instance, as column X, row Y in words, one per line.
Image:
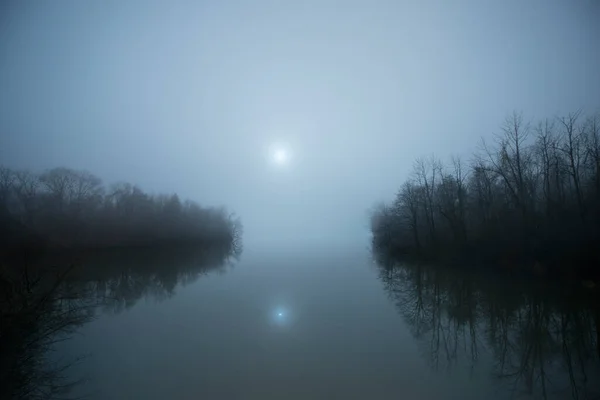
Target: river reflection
column 315, row 325
column 42, row 306
column 537, row 339
column 120, row 278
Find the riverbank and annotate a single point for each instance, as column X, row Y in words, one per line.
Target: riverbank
column 529, row 199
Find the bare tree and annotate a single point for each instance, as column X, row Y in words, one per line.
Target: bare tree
column 59, row 182
column 592, row 144
column 427, row 171
column 7, row 180
column 26, row 189
column 545, row 143
column 482, row 194
column 508, row 160
column 451, row 195
column 407, row 205
column 572, row 147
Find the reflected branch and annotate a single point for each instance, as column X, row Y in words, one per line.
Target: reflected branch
column 542, row 338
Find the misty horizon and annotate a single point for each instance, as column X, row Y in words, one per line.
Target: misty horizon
column 262, row 199
column 190, row 98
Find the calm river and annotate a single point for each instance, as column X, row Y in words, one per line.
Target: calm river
column 330, row 324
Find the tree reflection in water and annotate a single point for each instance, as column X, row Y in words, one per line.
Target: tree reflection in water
column 543, row 337
column 119, row 279
column 40, row 306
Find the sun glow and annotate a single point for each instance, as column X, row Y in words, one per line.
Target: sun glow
column 280, row 156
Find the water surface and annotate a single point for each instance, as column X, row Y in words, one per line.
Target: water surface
column 333, row 324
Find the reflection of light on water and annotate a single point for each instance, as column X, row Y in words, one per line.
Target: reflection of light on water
column 280, row 316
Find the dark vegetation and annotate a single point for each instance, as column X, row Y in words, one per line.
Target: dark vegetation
column 535, row 338
column 529, row 197
column 63, row 208
column 40, row 305
column 69, row 245
column 37, row 310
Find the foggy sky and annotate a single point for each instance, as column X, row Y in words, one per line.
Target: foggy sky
column 188, row 97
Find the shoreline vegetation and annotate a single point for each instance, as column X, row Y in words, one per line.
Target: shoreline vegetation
column 528, row 200
column 65, row 209
column 70, row 245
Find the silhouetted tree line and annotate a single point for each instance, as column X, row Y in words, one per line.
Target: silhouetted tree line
column 531, row 337
column 67, row 208
column 533, row 192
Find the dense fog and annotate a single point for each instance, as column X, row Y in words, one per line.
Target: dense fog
column 298, row 117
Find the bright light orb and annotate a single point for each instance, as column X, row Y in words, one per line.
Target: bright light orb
column 280, row 156
column 280, row 316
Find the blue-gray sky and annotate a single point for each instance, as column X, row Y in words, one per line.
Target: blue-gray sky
column 188, row 97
